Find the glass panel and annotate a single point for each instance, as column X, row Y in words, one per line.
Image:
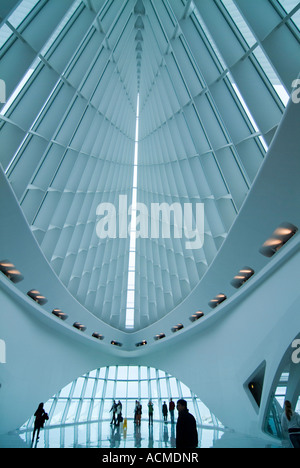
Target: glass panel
column 78, row 388
column 133, row 390
column 96, row 410
column 112, row 373
column 144, row 389
column 185, row 391
column 133, row 373
column 89, row 388
column 84, row 411
column 122, row 373
column 154, row 389
column 163, row 388
column 99, row 391
column 121, row 390
column 174, row 388
column 144, row 373
column 59, row 411
column 72, row 412
column 65, row 392
column 110, row 389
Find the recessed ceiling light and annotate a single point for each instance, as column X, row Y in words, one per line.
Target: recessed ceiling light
column 37, row 297
column 196, row 316
column 98, row 336
column 79, row 326
column 142, row 343
column 61, row 315
column 242, row 277
column 278, row 239
column 10, row 271
column 159, row 337
column 116, row 343
column 217, row 301
column 177, row 328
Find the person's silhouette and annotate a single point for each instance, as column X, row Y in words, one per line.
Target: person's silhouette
column 40, row 417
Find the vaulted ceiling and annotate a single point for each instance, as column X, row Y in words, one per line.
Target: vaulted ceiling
column 211, row 78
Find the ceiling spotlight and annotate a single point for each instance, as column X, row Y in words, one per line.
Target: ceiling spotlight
column 278, row 239
column 10, row 271
column 196, row 316
column 98, row 336
column 217, row 301
column 37, row 297
column 117, row 344
column 79, row 326
column 142, row 343
column 242, row 277
column 177, row 328
column 61, row 315
column 159, row 337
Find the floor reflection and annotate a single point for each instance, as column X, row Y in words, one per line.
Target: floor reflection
column 102, row 435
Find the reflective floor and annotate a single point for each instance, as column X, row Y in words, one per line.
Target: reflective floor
column 102, row 435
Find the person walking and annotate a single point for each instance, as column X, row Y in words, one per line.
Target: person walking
column 290, row 423
column 186, row 429
column 119, row 418
column 40, row 417
column 114, row 412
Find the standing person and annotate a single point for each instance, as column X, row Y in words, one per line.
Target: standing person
column 172, row 410
column 186, row 429
column 138, row 413
column 290, row 422
column 119, row 414
column 114, row 411
column 40, row 417
column 150, row 412
column 135, row 412
column 165, row 412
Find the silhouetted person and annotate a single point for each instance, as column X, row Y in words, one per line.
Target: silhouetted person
column 40, row 417
column 172, row 410
column 186, row 429
column 114, row 412
column 150, row 412
column 119, row 414
column 165, row 412
column 138, row 413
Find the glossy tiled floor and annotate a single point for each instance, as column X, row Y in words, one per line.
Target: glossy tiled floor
column 102, row 435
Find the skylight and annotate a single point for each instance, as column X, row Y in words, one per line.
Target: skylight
column 132, row 254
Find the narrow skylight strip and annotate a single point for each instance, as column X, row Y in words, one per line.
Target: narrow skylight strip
column 246, row 108
column 18, row 90
column 129, row 321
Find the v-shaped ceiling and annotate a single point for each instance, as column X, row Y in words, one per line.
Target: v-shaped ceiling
column 196, row 144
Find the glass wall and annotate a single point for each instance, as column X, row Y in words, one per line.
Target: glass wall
column 90, row 397
column 80, row 416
